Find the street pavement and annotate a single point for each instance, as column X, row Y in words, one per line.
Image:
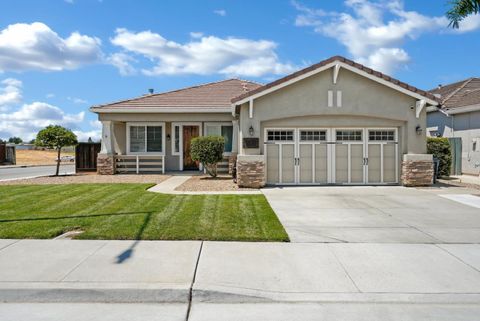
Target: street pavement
column 10, row 173
column 168, row 280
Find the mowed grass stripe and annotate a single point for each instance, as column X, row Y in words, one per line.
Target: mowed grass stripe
column 128, row 211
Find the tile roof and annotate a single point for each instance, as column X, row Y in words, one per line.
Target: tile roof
column 459, row 94
column 215, row 94
column 328, row 61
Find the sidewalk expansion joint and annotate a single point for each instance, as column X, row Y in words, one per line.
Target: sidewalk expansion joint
column 190, row 293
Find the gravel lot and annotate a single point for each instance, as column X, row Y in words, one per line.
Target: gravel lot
column 206, row 183
column 89, row 179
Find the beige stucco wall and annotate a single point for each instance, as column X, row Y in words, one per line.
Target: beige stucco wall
column 364, row 103
column 172, row 162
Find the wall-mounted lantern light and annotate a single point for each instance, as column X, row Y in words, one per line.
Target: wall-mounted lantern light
column 169, row 137
column 251, row 131
column 418, row 130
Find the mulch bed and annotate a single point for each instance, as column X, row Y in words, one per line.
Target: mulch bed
column 88, row 179
column 205, row 183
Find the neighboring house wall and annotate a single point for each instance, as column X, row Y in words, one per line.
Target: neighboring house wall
column 467, row 127
column 364, row 103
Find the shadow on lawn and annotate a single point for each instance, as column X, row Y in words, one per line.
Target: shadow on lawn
column 122, row 257
column 69, row 217
column 127, row 254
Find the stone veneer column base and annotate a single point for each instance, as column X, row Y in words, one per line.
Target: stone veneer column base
column 417, row 170
column 251, row 171
column 105, row 164
column 232, row 160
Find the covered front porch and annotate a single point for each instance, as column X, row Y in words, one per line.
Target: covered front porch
column 160, row 146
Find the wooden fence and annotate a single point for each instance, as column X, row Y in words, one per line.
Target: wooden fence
column 86, row 157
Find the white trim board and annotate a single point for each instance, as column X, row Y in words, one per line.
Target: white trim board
column 337, row 64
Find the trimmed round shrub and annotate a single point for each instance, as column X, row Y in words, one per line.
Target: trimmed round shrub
column 208, row 150
column 440, row 148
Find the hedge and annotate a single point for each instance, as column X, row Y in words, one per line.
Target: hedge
column 440, row 148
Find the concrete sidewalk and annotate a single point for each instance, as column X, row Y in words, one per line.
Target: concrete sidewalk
column 238, row 281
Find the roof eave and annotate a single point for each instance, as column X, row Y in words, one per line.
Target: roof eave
column 169, row 110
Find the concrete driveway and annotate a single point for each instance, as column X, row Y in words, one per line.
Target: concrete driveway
column 390, row 214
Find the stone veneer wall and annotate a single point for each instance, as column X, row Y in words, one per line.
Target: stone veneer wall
column 105, row 164
column 417, row 170
column 251, row 171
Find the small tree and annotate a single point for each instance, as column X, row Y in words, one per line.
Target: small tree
column 440, row 148
column 15, row 140
column 56, row 137
column 209, row 151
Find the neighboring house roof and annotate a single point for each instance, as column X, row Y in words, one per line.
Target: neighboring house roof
column 215, row 95
column 459, row 94
column 345, row 62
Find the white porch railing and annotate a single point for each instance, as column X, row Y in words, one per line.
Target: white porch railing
column 139, row 164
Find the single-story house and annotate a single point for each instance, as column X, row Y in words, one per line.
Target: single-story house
column 458, row 115
column 335, row 122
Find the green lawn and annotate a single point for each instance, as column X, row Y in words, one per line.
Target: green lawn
column 128, row 211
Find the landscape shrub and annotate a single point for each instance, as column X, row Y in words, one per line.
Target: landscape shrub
column 440, row 148
column 208, row 150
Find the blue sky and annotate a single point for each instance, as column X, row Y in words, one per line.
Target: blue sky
column 57, row 57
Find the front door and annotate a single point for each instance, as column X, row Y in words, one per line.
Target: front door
column 189, row 132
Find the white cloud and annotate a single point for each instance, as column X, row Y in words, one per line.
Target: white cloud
column 30, row 118
column 123, row 62
column 470, row 23
column 25, row 120
column 206, row 55
column 10, row 93
column 220, row 12
column 374, row 31
column 50, row 95
column 37, row 47
column 196, row 35
column 77, row 100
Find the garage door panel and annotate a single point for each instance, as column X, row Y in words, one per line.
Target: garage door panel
column 273, row 161
column 321, row 164
column 356, row 163
column 389, row 163
column 374, row 163
column 341, row 164
column 288, row 163
column 306, row 163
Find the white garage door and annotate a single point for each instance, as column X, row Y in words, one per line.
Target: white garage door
column 331, row 156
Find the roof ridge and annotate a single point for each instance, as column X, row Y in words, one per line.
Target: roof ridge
column 171, row 91
column 454, row 92
column 328, row 61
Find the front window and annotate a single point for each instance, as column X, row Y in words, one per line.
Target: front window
column 226, row 131
column 146, row 139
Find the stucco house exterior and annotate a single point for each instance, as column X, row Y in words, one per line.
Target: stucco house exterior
column 335, row 122
column 458, row 115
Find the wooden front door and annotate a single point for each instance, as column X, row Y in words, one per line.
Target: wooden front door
column 189, row 132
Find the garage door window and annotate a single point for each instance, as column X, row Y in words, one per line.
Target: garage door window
column 381, row 135
column 313, row 135
column 280, row 135
column 349, row 135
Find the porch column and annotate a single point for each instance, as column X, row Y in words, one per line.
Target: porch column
column 107, row 138
column 235, row 141
column 106, row 158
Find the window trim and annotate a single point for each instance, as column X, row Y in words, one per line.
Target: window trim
column 146, row 124
column 207, row 124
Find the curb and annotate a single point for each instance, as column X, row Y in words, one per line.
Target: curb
column 91, row 293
